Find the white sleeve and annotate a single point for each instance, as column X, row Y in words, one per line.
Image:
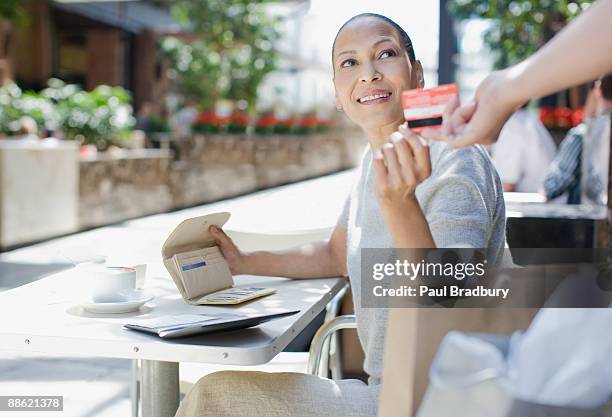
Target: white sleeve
column 344, row 214
column 507, row 152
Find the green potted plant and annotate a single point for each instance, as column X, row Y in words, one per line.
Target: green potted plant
column 309, row 123
column 16, row 104
column 232, row 52
column 206, row 122
column 101, row 117
column 239, row 122
column 159, row 129
column 266, row 123
column 284, row 126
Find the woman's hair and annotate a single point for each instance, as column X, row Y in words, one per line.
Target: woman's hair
column 405, row 38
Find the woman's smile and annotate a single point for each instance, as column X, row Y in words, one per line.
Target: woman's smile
column 377, row 96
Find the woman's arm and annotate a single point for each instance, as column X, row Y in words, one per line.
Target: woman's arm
column 313, row 260
column 579, row 53
column 400, row 166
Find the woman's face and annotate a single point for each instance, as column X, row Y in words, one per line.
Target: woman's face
column 372, row 69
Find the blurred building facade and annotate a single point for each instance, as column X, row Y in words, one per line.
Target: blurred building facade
column 92, row 43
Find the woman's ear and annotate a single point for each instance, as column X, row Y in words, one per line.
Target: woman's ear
column 417, row 74
column 338, row 104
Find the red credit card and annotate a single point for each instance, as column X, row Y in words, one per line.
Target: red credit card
column 423, row 107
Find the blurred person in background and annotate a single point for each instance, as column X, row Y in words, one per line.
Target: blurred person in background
column 183, row 119
column 566, row 171
column 596, row 148
column 143, row 124
column 143, row 117
column 523, row 151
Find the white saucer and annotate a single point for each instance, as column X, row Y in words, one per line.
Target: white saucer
column 130, row 304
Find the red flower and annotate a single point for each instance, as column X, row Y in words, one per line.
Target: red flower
column 563, row 116
column 326, row 123
column 240, row 119
column 266, row 120
column 287, row 123
column 547, row 117
column 577, row 116
column 224, row 120
column 309, row 121
column 207, row 117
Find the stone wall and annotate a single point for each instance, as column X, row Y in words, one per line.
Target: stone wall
column 204, row 168
column 131, row 184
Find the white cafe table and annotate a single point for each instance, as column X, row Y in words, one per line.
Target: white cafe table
column 46, row 317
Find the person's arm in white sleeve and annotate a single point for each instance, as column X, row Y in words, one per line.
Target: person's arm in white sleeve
column 579, row 53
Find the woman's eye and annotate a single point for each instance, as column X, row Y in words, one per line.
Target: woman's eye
column 348, row 63
column 387, row 53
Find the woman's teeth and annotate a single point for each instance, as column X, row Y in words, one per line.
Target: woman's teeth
column 375, row 97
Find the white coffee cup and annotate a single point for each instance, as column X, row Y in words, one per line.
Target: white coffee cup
column 107, row 283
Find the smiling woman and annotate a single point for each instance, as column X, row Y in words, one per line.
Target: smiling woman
column 409, row 194
column 366, row 47
column 406, row 195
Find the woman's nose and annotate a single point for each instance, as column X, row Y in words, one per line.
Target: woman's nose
column 370, row 73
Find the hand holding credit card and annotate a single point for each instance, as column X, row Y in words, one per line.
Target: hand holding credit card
column 423, row 107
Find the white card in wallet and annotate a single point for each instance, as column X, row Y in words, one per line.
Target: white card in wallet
column 198, row 267
column 202, row 269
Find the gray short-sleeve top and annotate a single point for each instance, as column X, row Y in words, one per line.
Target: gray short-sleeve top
column 463, row 203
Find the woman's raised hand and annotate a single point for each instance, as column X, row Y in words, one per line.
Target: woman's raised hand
column 400, row 166
column 234, row 257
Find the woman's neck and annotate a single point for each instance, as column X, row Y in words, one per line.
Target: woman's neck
column 378, row 136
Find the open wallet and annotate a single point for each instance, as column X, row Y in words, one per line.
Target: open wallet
column 198, row 267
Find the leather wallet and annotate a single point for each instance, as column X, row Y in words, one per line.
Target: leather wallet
column 198, row 268
column 193, row 259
